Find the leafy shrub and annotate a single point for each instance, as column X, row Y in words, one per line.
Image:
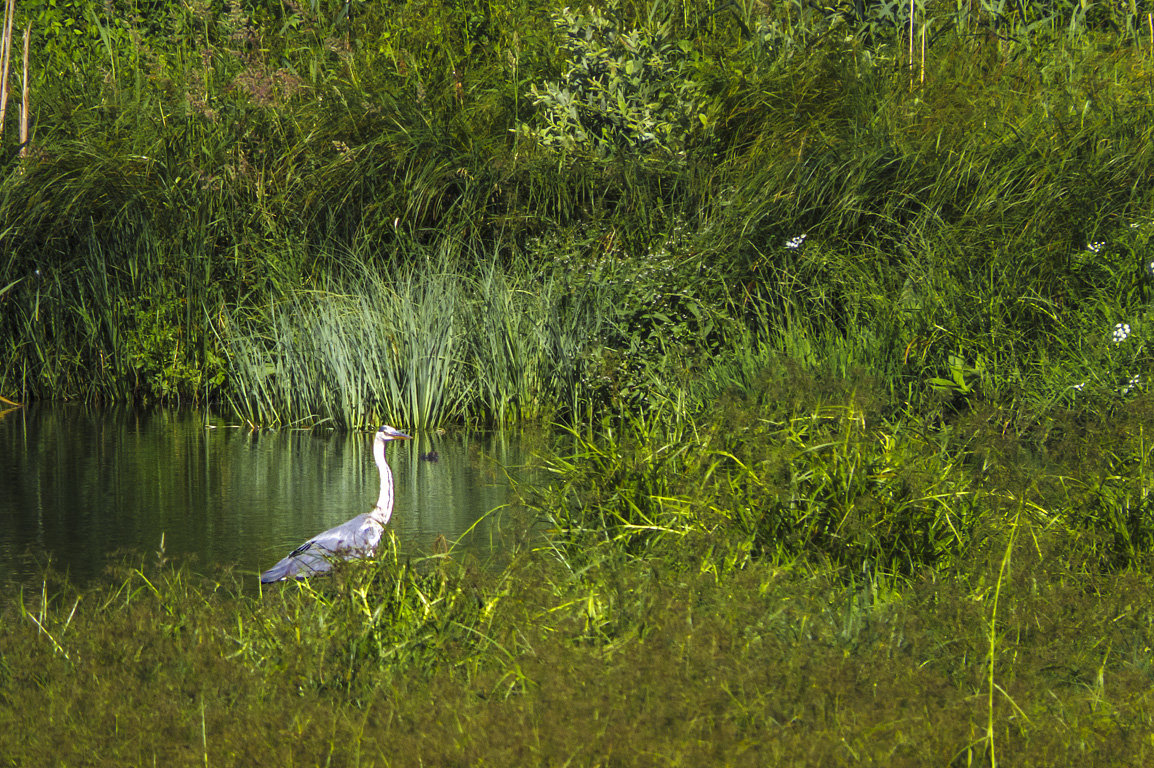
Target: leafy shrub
column 624, row 92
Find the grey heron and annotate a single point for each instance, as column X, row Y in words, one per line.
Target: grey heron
column 356, row 538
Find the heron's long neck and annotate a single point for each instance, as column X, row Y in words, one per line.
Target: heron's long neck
column 384, row 509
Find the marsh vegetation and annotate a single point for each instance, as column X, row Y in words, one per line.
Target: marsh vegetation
column 844, row 310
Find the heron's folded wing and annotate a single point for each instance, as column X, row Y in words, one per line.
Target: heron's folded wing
column 354, row 538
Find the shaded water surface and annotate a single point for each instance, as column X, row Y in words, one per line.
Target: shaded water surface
column 79, row 486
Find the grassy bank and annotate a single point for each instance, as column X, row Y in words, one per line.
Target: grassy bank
column 511, row 212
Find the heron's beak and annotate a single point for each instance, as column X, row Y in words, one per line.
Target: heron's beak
column 390, row 433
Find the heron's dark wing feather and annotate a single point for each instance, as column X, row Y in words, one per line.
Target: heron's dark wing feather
column 355, row 538
column 302, row 548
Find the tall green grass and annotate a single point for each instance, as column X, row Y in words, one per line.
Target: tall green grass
column 421, row 339
column 824, row 484
column 290, row 228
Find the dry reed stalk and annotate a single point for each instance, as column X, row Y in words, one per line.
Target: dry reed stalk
column 5, row 50
column 922, row 78
column 24, row 96
column 912, row 44
column 1150, row 24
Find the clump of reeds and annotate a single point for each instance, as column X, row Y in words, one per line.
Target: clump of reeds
column 442, row 337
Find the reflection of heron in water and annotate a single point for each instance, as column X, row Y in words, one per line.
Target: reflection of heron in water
column 356, row 538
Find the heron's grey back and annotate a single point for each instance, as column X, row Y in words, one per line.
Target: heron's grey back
column 354, row 538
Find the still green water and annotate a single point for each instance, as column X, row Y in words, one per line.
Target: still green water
column 80, row 487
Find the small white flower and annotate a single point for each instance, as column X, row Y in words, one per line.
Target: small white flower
column 1095, row 247
column 1079, row 387
column 1135, row 382
column 1121, row 333
column 795, row 242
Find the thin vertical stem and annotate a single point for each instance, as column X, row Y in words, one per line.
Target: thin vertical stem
column 912, row 4
column 993, row 635
column 922, row 79
column 5, row 51
column 24, row 96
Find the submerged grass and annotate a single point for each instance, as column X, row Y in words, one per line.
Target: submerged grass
column 792, row 576
column 805, row 582
column 628, row 662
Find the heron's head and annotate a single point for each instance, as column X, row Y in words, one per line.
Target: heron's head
column 391, row 433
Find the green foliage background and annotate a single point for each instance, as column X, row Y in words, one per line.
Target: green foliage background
column 196, row 169
column 853, row 347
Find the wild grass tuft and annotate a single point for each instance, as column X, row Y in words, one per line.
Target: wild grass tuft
column 423, row 340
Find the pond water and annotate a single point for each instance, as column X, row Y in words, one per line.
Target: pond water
column 80, row 486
